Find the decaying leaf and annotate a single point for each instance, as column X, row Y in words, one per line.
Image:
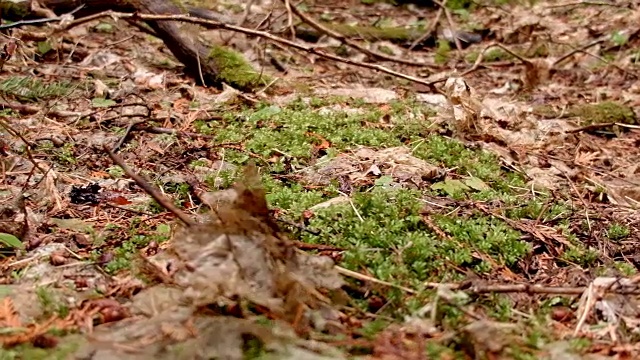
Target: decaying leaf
column 393, row 165
column 241, row 252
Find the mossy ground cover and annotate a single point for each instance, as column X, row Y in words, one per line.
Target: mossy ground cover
column 383, row 230
column 393, row 234
column 420, row 247
column 407, row 236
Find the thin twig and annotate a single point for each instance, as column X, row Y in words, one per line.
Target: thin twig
column 27, row 147
column 452, row 25
column 124, row 137
column 476, row 64
column 357, row 275
column 576, row 50
column 320, row 247
column 529, row 289
column 138, row 212
column 299, row 226
column 122, row 105
column 600, row 126
column 587, row 2
column 153, row 192
column 345, row 40
column 431, row 28
column 590, row 127
column 30, row 110
column 287, row 5
column 585, row 309
column 162, row 130
column 353, row 206
column 40, row 21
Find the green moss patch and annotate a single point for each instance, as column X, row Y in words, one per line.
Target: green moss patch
column 600, row 113
column 235, row 70
column 605, row 112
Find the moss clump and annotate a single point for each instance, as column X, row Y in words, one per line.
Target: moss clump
column 604, row 112
column 235, row 70
column 600, row 113
column 492, row 55
column 13, row 11
column 377, row 33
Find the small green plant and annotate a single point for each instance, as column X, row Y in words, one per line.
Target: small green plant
column 115, row 171
column 442, row 51
column 180, row 189
column 64, row 350
column 9, row 241
column 635, row 58
column 104, row 27
column 33, row 89
column 372, row 328
column 127, row 252
column 253, row 347
column 625, row 268
column 197, row 163
column 449, row 153
column 604, row 112
column 65, row 154
column 617, row 232
column 235, row 70
column 123, row 256
column 102, row 102
column 581, row 255
column 111, row 227
column 500, row 307
column 224, row 179
column 459, row 4
column 50, row 302
column 386, row 50
column 619, row 38
column 491, row 55
column 580, row 344
column 44, row 47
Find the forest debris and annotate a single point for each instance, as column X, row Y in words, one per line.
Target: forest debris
column 177, row 333
column 209, row 66
column 622, row 192
column 238, row 256
column 397, row 162
column 487, row 339
column 208, row 70
column 347, row 41
column 602, row 112
column 463, row 106
column 369, row 95
column 240, row 252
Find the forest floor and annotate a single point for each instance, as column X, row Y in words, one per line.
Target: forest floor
column 482, row 203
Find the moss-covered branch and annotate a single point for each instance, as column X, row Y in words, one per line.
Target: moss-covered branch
column 212, row 66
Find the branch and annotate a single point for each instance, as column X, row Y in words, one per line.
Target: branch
column 343, row 39
column 153, row 192
column 211, row 24
column 41, row 21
